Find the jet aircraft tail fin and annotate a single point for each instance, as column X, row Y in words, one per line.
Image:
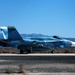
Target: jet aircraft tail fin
column 10, row 33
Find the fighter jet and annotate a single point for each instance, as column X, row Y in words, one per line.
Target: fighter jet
column 13, row 39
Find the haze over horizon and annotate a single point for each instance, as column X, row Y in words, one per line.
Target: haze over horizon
column 47, row 17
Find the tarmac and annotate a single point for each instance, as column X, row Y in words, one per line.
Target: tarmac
column 39, row 64
column 41, row 74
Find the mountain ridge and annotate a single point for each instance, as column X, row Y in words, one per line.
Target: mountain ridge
column 41, row 35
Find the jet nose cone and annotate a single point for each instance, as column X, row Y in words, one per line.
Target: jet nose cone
column 73, row 44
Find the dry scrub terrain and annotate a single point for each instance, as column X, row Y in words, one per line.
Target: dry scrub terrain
column 57, row 50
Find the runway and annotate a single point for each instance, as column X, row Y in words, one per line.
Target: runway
column 39, row 63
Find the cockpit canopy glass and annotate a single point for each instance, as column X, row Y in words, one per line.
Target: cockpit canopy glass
column 57, row 37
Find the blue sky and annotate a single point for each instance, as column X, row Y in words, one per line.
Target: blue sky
column 48, row 17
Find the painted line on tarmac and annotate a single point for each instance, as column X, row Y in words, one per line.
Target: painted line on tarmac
column 37, row 54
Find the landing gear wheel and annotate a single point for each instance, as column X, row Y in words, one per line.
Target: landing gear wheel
column 21, row 51
column 28, row 51
column 52, row 51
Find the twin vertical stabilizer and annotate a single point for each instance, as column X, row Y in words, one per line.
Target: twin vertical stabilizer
column 10, row 33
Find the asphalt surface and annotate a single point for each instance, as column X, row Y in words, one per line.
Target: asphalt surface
column 40, row 74
column 38, row 63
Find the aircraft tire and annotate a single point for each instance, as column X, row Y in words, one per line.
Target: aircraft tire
column 52, row 51
column 29, row 51
column 21, row 51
